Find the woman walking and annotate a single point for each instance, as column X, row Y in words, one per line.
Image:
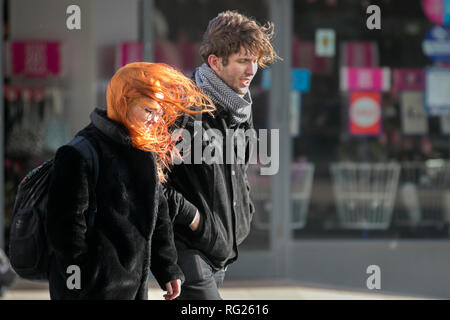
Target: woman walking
column 131, row 231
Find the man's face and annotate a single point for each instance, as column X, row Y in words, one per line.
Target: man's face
column 239, row 71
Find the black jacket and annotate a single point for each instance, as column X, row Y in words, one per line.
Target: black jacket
column 132, row 230
column 219, row 191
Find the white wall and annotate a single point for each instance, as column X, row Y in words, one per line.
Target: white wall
column 103, row 23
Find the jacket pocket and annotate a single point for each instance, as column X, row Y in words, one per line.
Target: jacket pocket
column 205, row 236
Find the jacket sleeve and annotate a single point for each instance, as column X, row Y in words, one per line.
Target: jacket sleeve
column 68, row 202
column 163, row 252
column 180, row 209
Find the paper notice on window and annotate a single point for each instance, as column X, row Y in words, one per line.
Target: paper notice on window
column 437, row 97
column 414, row 117
column 325, row 42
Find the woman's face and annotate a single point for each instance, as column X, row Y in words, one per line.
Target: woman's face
column 146, row 112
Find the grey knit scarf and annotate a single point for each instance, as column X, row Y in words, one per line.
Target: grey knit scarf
column 222, row 95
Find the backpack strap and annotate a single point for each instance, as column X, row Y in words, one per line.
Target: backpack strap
column 85, row 147
column 87, row 150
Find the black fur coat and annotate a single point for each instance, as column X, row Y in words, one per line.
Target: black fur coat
column 132, row 230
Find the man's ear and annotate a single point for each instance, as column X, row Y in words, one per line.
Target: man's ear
column 215, row 63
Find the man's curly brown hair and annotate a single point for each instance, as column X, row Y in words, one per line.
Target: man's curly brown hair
column 230, row 31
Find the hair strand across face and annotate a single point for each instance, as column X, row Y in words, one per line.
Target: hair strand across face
column 175, row 93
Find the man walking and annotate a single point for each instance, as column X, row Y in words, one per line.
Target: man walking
column 209, row 201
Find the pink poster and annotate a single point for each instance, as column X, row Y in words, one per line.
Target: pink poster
column 434, row 10
column 128, row 52
column 365, row 79
column 35, row 58
column 408, row 79
column 359, row 54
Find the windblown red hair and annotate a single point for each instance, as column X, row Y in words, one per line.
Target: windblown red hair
column 180, row 95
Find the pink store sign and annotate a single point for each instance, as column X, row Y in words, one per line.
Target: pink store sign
column 35, row 58
column 408, row 79
column 377, row 79
column 437, row 11
column 128, row 52
column 359, row 54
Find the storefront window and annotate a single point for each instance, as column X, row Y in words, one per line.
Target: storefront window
column 380, row 162
column 368, row 119
column 370, row 145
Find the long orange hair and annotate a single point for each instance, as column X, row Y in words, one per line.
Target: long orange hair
column 176, row 95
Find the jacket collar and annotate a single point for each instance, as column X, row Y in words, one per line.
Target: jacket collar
column 110, row 128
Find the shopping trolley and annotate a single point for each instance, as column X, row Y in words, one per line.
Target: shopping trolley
column 424, row 193
column 365, row 193
column 301, row 184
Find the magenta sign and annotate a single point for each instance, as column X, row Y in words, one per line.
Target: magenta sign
column 408, row 79
column 35, row 58
column 434, row 10
column 128, row 52
column 365, row 79
column 437, row 11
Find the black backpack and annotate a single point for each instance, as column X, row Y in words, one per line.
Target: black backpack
column 29, row 249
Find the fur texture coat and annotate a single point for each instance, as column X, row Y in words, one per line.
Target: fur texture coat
column 131, row 233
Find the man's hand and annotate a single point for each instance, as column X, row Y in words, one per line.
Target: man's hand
column 195, row 222
column 173, row 289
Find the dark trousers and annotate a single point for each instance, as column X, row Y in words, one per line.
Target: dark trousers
column 202, row 281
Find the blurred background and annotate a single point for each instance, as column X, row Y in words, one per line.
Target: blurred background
column 361, row 100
